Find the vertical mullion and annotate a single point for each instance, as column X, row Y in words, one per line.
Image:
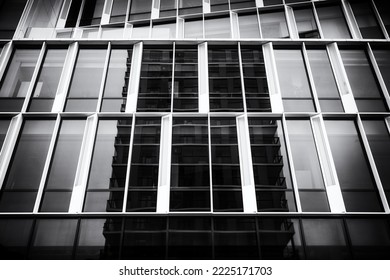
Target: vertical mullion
column 134, row 79
column 128, row 170
column 311, row 78
column 242, row 77
column 203, row 81
column 210, row 164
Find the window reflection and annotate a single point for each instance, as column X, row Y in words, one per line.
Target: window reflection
column 4, row 124
column 187, row 7
column 383, row 60
column 306, row 23
column 17, row 80
column 10, row 12
column 273, row 25
column 217, row 27
column 248, row 25
column 332, row 22
column 383, row 9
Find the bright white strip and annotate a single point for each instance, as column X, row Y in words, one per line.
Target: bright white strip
column 203, row 80
column 135, row 74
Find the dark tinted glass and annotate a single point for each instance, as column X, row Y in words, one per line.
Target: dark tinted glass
column 306, row 23
column 14, row 238
column 366, row 20
column 10, row 12
column 333, row 22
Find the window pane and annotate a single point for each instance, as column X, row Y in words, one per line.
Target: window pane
column 85, row 85
column 362, row 80
column 25, row 170
column 168, row 8
column 306, row 23
column 10, row 12
column 115, row 90
column 193, row 28
column 14, row 238
column 383, row 9
column 366, row 20
column 4, row 124
column 187, row 7
column 140, row 9
column 379, row 139
column 239, row 4
column 46, row 86
column 164, row 30
column 17, row 79
column 324, row 81
column 273, row 25
column 383, row 60
column 219, row 5
column 294, row 84
column 224, row 79
column 217, row 27
column 92, row 12
column 60, row 180
column 353, row 171
column 249, row 26
column 332, row 22
column 118, row 11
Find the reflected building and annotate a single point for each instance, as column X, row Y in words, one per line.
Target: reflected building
column 202, row 129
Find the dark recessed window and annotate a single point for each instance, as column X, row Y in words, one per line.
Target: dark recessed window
column 366, row 20
column 333, row 22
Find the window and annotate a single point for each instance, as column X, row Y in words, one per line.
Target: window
column 356, row 181
column 46, row 85
column 190, row 175
column 306, row 23
column 332, row 22
column 383, row 9
column 73, row 13
column 255, row 79
column 217, row 27
column 64, row 162
column 187, row 7
column 248, row 25
column 118, row 11
column 92, row 12
column 117, row 81
column 164, row 29
column 85, row 86
column 219, row 5
column 185, row 90
column 168, row 8
column 270, row 168
column 366, row 20
column 364, row 85
column 16, row 82
column 224, row 79
column 324, row 81
column 382, row 57
column 4, row 124
column 14, row 238
column 107, row 177
column 155, row 90
column 193, row 28
column 273, row 24
column 10, row 12
column 294, row 83
column 226, row 178
column 239, row 4
column 144, row 165
column 25, row 170
column 140, row 9
column 307, row 167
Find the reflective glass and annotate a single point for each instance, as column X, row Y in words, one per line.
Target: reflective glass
column 4, row 124
column 168, row 8
column 193, row 28
column 14, row 238
column 273, row 25
column 164, row 30
column 332, row 22
column 140, row 9
column 10, row 12
column 46, row 86
column 118, row 11
column 383, row 9
column 249, row 26
column 217, row 27
column 17, row 79
column 92, row 12
column 306, row 23
column 219, row 5
column 382, row 57
column 366, row 20
column 190, row 6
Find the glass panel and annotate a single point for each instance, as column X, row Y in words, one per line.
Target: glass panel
column 17, row 79
column 226, row 178
column 249, row 26
column 168, row 8
column 60, row 180
column 255, row 79
column 370, row 238
column 4, row 124
column 239, row 4
column 185, row 91
column 324, row 81
column 379, row 140
column 193, row 28
column 25, row 170
column 187, row 7
column 306, row 23
column 270, row 166
column 362, row 80
column 164, row 30
column 217, row 27
column 92, row 12
column 10, row 12
column 73, row 13
column 144, row 165
column 118, row 11
column 273, row 25
column 14, row 238
column 325, row 239
column 294, row 83
column 219, row 5
column 307, row 167
column 383, row 61
column 86, row 81
column 332, row 22
column 99, row 239
column 140, row 9
column 365, row 17
column 155, row 88
column 115, row 90
column 354, row 174
column 46, row 86
column 224, row 79
column 53, row 239
column 272, row 2
column 383, row 9
column 190, row 176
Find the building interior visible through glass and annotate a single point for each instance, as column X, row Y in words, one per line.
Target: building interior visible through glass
column 194, row 129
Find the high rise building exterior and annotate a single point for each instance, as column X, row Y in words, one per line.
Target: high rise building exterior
column 194, row 129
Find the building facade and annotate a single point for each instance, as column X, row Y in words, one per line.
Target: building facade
column 194, row 129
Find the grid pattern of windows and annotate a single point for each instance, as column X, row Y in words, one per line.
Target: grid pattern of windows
column 188, row 129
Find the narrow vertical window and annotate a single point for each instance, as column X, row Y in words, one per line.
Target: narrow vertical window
column 356, row 181
column 363, row 81
column 270, row 166
column 17, row 79
column 185, row 90
column 255, row 80
column 383, row 9
column 224, row 79
column 155, row 88
column 143, row 184
column 85, row 86
column 294, row 83
column 25, row 170
column 333, row 22
column 306, row 23
column 117, row 81
column 46, row 85
column 107, row 177
column 227, row 193
column 60, row 179
column 324, row 81
column 190, row 176
column 366, row 20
